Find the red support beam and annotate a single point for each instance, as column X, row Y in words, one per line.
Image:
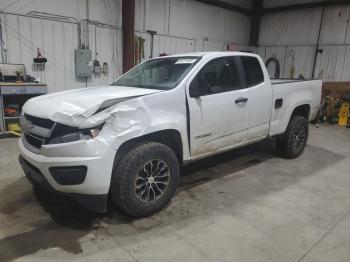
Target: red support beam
column 255, row 22
column 128, row 24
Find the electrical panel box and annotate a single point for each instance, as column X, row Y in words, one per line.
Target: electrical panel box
column 83, row 65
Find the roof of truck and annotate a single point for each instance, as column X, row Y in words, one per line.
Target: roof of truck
column 222, row 53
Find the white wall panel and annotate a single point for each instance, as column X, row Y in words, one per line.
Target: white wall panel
column 333, row 63
column 139, row 15
column 261, row 50
column 213, row 46
column 27, row 51
column 106, row 52
column 236, row 27
column 322, row 63
column 346, row 67
column 301, row 27
column 335, row 25
column 181, row 26
column 106, row 11
column 193, row 19
column 299, row 56
column 276, row 52
column 340, row 61
column 347, row 32
column 172, row 45
column 12, row 40
column 246, row 48
column 186, row 22
column 303, row 61
column 298, row 30
column 156, row 15
column 290, row 28
column 57, row 41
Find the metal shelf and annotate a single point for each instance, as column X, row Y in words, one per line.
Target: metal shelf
column 16, row 89
column 11, row 117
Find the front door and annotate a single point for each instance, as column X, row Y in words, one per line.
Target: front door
column 218, row 112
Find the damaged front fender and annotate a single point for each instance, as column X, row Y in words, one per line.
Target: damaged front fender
column 133, row 119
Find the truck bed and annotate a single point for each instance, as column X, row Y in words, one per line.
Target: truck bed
column 277, row 81
column 290, row 91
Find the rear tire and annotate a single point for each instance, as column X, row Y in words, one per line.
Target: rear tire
column 294, row 140
column 145, row 179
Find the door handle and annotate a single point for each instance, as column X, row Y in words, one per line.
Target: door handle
column 241, row 100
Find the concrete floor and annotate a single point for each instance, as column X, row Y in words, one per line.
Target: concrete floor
column 244, row 205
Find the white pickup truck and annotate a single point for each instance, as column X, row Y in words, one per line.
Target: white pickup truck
column 126, row 142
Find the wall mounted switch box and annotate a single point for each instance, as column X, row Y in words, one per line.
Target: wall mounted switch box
column 83, row 65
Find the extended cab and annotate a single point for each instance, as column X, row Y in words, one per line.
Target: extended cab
column 128, row 140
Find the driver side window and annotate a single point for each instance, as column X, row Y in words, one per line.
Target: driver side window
column 218, row 76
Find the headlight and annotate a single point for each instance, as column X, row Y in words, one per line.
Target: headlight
column 76, row 135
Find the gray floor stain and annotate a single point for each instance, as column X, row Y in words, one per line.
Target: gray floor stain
column 67, row 223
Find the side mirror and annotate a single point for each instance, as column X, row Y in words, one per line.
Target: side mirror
column 194, row 89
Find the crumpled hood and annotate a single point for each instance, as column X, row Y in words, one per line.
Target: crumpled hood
column 74, row 106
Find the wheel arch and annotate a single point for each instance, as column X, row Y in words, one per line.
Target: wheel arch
column 169, row 137
column 302, row 110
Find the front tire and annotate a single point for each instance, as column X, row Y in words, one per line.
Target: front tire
column 294, row 140
column 145, row 179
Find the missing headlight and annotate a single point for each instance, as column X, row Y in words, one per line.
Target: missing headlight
column 65, row 134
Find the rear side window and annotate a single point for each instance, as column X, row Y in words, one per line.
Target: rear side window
column 253, row 71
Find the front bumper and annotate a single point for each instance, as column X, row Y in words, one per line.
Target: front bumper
column 95, row 156
column 95, row 203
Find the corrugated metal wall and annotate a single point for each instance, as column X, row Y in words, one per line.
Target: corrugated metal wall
column 181, row 25
column 192, row 20
column 187, row 26
column 105, row 11
column 57, row 41
column 293, row 36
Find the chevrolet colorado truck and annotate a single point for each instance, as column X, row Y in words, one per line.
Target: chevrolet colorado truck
column 126, row 142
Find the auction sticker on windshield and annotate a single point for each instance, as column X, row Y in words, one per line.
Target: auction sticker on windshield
column 185, row 61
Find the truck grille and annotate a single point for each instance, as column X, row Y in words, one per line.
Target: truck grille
column 36, row 130
column 40, row 131
column 42, row 122
column 34, row 141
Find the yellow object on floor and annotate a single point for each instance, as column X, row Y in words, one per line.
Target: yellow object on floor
column 14, row 127
column 343, row 114
column 15, row 133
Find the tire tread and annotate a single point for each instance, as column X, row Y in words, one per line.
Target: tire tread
column 284, row 144
column 120, row 184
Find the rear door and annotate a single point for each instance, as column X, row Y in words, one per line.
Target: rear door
column 259, row 111
column 219, row 115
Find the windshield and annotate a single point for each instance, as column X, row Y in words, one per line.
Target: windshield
column 161, row 73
